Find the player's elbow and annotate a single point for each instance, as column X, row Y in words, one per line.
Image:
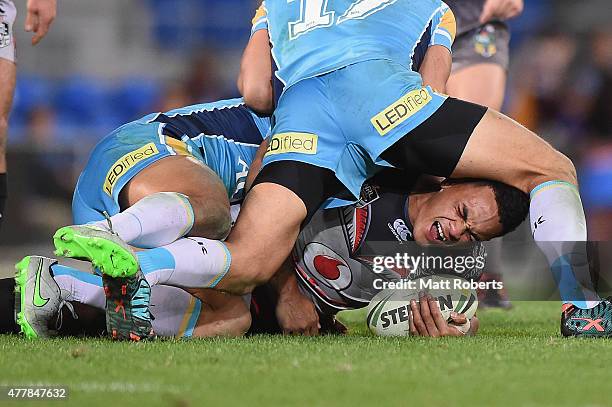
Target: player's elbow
column 258, row 96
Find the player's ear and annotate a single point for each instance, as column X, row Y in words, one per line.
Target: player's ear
column 449, row 182
column 446, row 183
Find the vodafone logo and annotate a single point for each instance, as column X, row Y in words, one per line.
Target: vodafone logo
column 327, row 266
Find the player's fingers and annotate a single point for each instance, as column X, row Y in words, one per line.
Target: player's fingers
column 504, row 10
column 519, row 5
column 43, row 28
column 514, row 9
column 47, row 17
column 458, row 319
column 453, row 331
column 416, row 316
column 487, row 11
column 436, row 314
column 412, row 328
column 35, row 28
column 432, row 330
column 36, row 38
column 29, row 21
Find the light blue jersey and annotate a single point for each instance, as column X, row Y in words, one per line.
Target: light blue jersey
column 223, row 135
column 352, row 87
column 314, row 37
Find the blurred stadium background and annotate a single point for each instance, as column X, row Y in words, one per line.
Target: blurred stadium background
column 107, row 62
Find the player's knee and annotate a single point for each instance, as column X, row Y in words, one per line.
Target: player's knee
column 557, row 167
column 258, row 97
column 212, row 220
column 561, row 168
column 568, row 169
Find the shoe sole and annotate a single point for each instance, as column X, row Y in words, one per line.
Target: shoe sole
column 109, row 257
column 119, row 328
column 21, row 279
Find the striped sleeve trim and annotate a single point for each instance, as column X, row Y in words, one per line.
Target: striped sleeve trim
column 260, row 20
column 444, row 28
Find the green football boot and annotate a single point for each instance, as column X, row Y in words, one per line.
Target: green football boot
column 103, row 248
column 38, row 300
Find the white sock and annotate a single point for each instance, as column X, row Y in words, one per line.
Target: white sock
column 187, row 263
column 559, row 228
column 79, row 286
column 155, row 220
column 176, row 311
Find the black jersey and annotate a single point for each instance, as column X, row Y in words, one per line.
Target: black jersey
column 333, row 254
column 467, row 13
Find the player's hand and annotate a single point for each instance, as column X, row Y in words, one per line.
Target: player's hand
column 297, row 314
column 427, row 320
column 40, row 15
column 500, row 9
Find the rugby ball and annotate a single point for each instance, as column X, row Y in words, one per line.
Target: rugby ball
column 389, row 311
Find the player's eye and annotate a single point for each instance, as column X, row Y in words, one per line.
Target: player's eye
column 464, row 212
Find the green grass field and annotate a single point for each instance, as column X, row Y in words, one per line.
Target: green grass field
column 518, row 359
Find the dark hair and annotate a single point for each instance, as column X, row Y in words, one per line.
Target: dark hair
column 512, row 203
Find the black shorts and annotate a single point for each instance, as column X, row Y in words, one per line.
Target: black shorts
column 434, row 148
column 487, row 44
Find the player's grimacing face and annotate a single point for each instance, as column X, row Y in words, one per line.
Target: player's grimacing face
column 458, row 213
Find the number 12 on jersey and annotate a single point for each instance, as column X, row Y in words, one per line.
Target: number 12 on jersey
column 314, row 14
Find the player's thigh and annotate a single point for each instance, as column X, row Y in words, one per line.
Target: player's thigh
column 264, row 234
column 501, row 149
column 483, row 83
column 185, row 175
column 465, row 140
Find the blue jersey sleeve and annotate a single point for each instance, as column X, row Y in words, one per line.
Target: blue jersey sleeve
column 260, row 20
column 443, row 28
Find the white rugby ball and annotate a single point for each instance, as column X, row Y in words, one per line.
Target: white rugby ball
column 389, row 310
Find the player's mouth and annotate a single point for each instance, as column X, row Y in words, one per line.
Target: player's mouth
column 436, row 232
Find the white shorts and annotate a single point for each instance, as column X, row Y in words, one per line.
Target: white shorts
column 7, row 39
